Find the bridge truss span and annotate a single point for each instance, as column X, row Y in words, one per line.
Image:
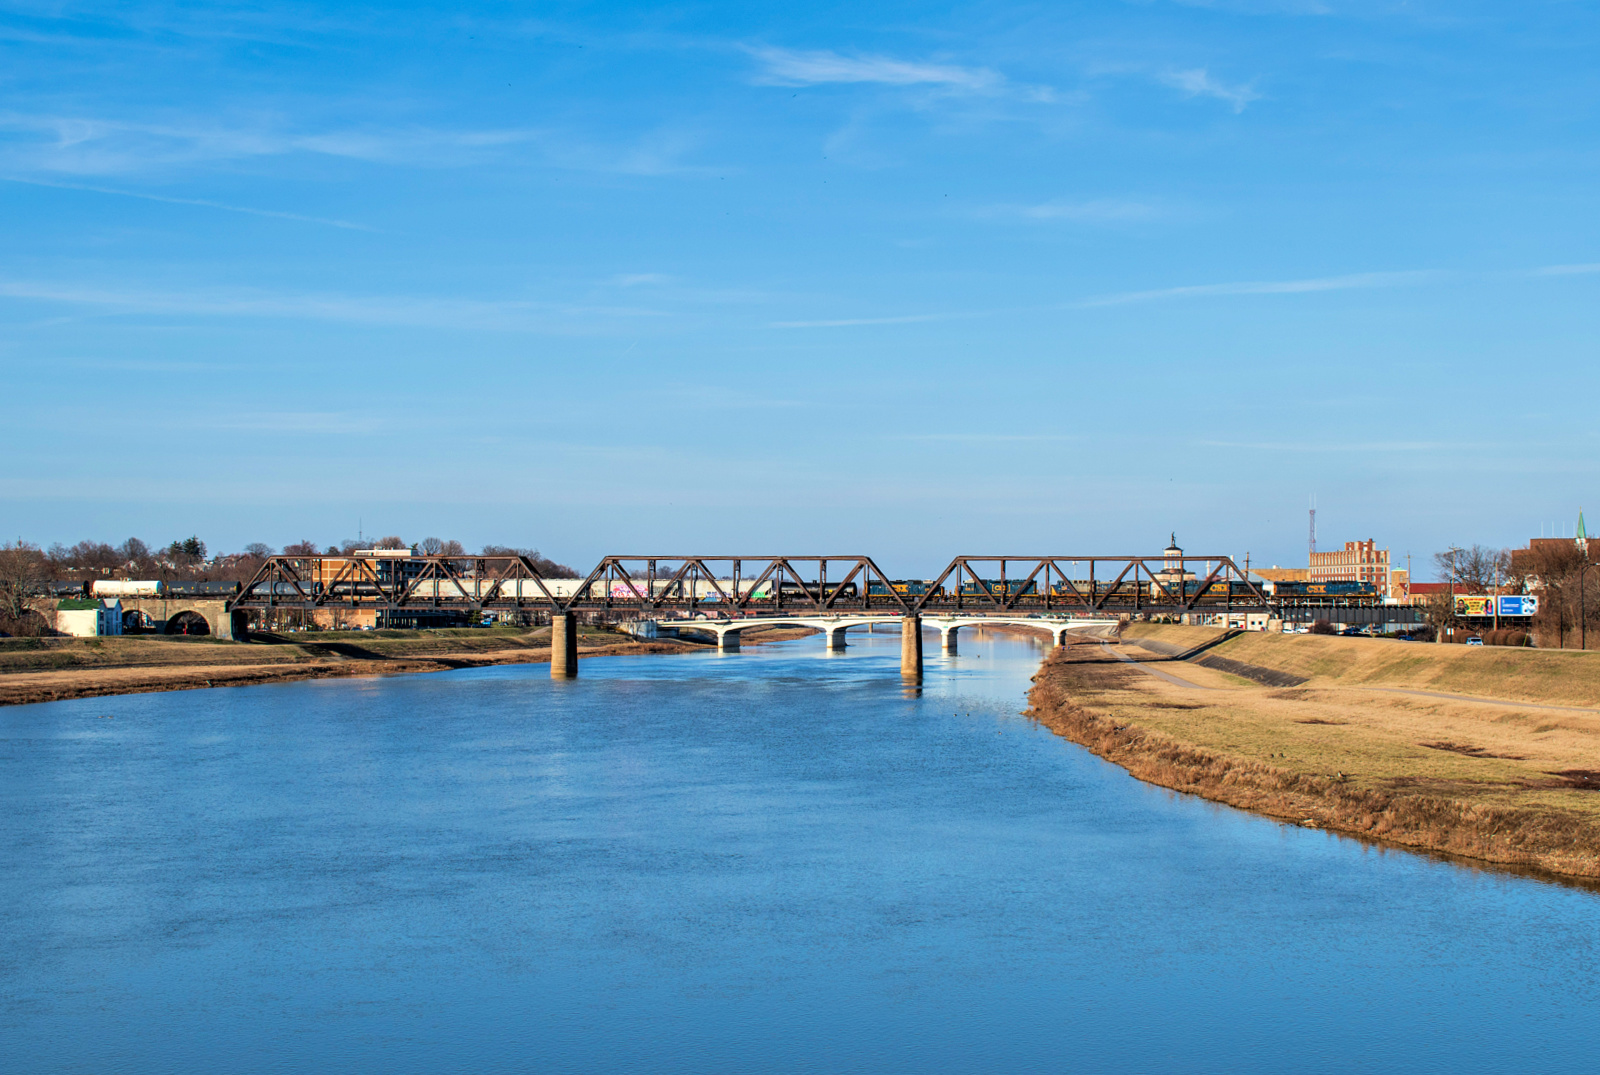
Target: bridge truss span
column 1093, row 585
column 739, row 585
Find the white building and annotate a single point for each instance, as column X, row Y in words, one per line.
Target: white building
column 86, row 618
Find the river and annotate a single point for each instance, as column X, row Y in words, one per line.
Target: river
column 775, row 861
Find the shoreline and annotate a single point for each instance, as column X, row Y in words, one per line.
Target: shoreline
column 1455, row 820
column 64, row 671
column 31, row 688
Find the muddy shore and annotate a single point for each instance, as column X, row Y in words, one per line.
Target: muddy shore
column 1486, row 779
column 56, row 669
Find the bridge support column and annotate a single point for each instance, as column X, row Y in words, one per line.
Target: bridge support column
column 1058, row 635
column 728, row 641
column 911, row 647
column 563, row 646
column 947, row 640
column 834, row 637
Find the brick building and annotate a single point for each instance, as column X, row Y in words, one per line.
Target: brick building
column 1358, row 561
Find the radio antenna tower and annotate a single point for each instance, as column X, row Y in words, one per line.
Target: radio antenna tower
column 1313, row 549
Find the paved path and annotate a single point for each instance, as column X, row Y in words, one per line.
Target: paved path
column 1475, row 698
column 1154, row 671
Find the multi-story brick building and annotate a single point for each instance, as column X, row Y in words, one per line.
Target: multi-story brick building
column 1358, row 561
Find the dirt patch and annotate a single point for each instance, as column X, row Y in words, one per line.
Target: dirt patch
column 1586, row 779
column 1469, row 750
column 1319, row 720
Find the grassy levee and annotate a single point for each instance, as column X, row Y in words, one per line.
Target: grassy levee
column 1552, row 677
column 1504, row 782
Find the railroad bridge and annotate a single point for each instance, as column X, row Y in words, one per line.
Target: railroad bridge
column 178, row 614
column 722, row 595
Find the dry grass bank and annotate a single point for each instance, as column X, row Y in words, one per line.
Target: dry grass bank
column 1505, row 783
column 1554, row 677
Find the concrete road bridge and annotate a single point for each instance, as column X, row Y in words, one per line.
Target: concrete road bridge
column 728, row 632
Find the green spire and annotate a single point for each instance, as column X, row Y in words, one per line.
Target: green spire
column 1583, row 535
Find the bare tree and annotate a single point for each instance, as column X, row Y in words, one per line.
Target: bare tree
column 390, row 542
column 86, row 558
column 453, row 548
column 24, row 575
column 430, row 546
column 301, row 548
column 1474, row 569
column 1551, row 568
column 547, row 568
column 258, row 551
column 1440, row 612
column 136, row 555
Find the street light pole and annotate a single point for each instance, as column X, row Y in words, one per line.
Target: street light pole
column 1583, row 618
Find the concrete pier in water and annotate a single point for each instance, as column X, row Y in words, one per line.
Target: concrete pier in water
column 563, row 646
column 911, row 647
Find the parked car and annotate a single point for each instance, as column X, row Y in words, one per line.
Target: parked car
column 1474, row 641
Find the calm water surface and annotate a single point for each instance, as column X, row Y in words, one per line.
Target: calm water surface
column 770, row 861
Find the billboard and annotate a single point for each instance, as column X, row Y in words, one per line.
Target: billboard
column 1509, row 605
column 1519, row 606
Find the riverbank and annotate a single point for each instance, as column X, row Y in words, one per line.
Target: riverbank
column 53, row 669
column 1485, row 753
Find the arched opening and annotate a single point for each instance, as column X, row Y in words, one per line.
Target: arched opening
column 136, row 621
column 29, row 625
column 188, row 623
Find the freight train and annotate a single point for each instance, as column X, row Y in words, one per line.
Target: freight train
column 160, row 588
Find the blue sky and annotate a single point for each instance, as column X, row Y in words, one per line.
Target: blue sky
column 905, row 279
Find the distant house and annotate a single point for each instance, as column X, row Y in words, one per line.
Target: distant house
column 85, row 617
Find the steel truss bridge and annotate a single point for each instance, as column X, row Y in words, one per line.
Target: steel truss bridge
column 654, row 587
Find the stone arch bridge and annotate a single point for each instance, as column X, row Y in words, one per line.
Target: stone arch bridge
column 176, row 614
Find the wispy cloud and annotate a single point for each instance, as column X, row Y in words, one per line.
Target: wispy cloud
column 1269, row 287
column 988, row 438
column 1096, row 211
column 345, row 423
column 88, row 145
column 1196, row 82
column 848, row 322
column 1567, row 270
column 786, row 67
column 1362, row 446
column 507, row 315
column 199, row 202
column 54, row 145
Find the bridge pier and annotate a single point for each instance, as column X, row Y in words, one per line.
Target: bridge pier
column 911, row 647
column 947, row 640
column 834, row 637
column 728, row 641
column 563, row 646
